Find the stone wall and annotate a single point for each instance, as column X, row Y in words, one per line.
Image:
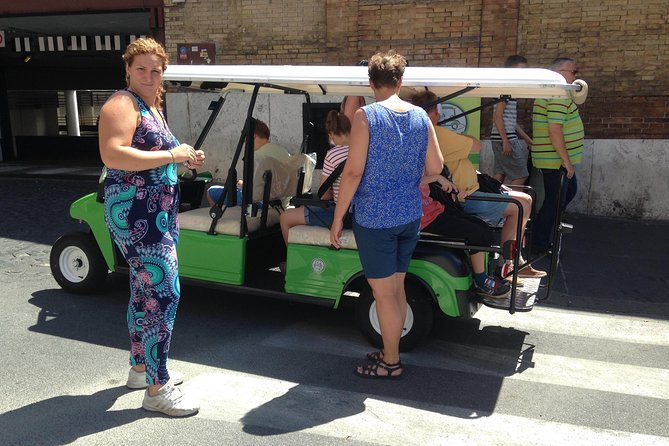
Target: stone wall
column 618, row 178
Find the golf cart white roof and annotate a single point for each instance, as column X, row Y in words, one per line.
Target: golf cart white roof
column 354, row 81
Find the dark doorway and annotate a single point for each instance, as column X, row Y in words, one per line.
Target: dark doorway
column 319, row 137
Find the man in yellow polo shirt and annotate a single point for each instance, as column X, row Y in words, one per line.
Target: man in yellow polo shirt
column 557, row 133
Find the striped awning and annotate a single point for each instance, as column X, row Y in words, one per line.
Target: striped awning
column 33, row 44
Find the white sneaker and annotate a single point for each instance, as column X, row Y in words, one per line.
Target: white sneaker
column 137, row 380
column 170, row 401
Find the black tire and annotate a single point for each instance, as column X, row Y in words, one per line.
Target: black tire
column 420, row 316
column 77, row 263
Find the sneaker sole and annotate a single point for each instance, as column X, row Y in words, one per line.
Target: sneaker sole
column 145, row 385
column 176, row 415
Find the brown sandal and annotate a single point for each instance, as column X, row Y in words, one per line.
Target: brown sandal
column 375, row 356
column 371, row 371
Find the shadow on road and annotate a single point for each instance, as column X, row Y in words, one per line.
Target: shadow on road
column 64, row 419
column 302, row 407
column 315, row 347
column 611, row 265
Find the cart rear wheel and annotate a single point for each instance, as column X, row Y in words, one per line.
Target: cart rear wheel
column 77, row 263
column 418, row 323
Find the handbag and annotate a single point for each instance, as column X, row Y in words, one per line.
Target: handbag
column 489, row 184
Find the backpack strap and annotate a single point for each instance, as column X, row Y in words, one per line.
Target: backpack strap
column 336, row 173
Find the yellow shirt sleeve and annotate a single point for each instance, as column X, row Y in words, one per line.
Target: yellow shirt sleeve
column 454, row 146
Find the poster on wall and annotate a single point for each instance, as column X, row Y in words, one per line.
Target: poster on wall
column 467, row 125
column 196, row 54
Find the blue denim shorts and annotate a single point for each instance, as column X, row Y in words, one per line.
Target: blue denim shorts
column 492, row 212
column 317, row 216
column 386, row 251
column 215, row 193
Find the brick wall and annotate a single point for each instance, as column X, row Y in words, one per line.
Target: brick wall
column 426, row 32
column 622, row 49
column 622, row 46
column 251, row 31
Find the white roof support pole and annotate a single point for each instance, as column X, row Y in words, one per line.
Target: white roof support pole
column 72, row 113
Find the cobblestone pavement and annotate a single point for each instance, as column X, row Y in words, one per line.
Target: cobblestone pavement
column 33, row 214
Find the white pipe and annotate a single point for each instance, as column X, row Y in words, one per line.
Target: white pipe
column 72, row 113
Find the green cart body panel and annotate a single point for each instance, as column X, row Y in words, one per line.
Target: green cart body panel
column 89, row 210
column 442, row 284
column 315, row 271
column 320, row 271
column 201, row 256
column 220, row 258
column 323, row 272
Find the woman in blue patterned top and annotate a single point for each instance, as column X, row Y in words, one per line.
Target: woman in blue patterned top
column 141, row 205
column 392, row 145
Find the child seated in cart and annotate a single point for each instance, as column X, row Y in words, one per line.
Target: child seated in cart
column 338, row 127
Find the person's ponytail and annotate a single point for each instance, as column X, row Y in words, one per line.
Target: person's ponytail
column 336, row 122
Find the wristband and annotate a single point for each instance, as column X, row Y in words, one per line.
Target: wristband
column 172, row 155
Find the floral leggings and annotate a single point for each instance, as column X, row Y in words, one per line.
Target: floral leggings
column 144, row 224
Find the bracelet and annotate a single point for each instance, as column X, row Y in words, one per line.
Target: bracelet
column 172, row 155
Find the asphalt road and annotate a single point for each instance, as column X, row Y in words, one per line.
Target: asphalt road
column 591, row 367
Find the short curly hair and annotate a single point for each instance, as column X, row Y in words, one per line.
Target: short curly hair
column 386, row 69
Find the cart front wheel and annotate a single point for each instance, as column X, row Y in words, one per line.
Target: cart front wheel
column 77, row 263
column 417, row 325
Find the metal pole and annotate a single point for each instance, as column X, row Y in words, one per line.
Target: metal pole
column 72, row 113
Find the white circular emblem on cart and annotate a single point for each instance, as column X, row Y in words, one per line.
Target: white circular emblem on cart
column 318, row 265
column 449, row 109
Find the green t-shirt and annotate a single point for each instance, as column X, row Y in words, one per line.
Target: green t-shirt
column 271, row 149
column 555, row 111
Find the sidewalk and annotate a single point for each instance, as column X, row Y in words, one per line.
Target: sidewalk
column 51, row 170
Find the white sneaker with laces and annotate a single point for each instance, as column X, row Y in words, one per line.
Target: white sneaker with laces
column 170, row 401
column 137, row 380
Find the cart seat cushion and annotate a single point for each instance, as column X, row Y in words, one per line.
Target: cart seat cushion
column 285, row 175
column 319, row 236
column 199, row 220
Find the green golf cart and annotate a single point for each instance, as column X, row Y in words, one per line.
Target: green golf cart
column 237, row 247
